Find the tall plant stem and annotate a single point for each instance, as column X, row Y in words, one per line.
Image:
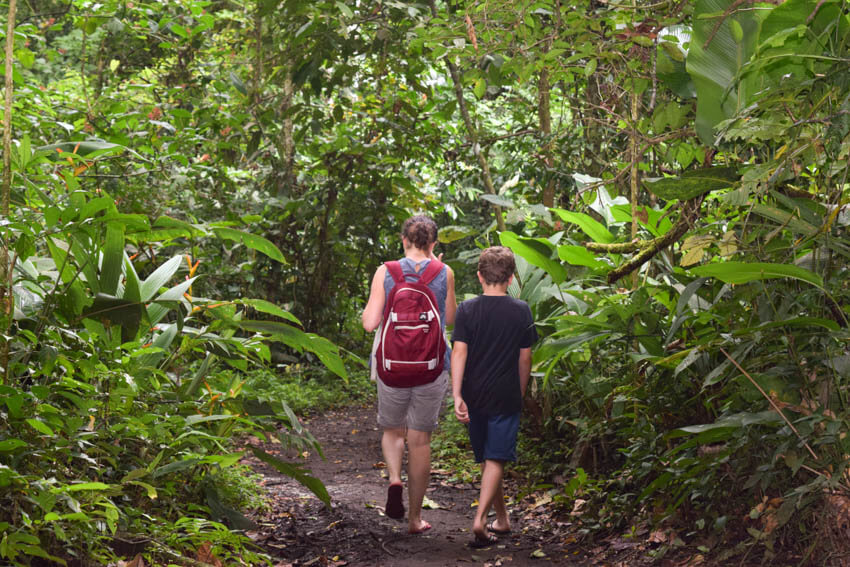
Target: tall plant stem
column 472, row 131
column 633, row 173
column 6, row 298
column 772, row 403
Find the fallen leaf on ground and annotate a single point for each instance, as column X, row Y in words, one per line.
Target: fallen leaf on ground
column 538, row 554
column 429, row 504
column 205, row 555
column 578, row 506
column 542, row 501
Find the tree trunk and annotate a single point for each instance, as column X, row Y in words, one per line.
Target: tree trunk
column 6, row 298
column 545, row 116
column 472, row 132
column 320, row 286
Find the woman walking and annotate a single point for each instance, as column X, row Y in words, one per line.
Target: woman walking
column 410, row 407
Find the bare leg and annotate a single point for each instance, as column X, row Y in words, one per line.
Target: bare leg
column 418, row 475
column 392, row 444
column 491, row 486
column 502, row 522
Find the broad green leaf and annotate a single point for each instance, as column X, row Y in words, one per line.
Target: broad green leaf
column 580, row 256
column 258, row 243
column 497, row 200
column 737, row 420
column 179, row 30
column 132, row 223
column 152, row 355
column 175, row 466
column 8, row 445
column 84, row 486
column 113, row 258
column 90, row 209
column 189, row 230
column 828, row 324
column 588, row 225
column 691, row 183
column 743, row 272
column 175, row 293
column 151, row 491
column 715, row 60
column 670, row 64
column 88, row 262
column 657, row 222
column 88, row 149
column 159, row 277
column 270, row 308
column 327, row 352
column 449, row 234
column 480, row 88
column 537, row 251
column 785, row 218
column 194, row 419
column 296, row 472
column 40, row 426
column 118, row 311
column 346, row 11
column 132, row 286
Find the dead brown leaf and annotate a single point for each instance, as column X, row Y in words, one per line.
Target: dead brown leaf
column 205, row 555
column 470, row 32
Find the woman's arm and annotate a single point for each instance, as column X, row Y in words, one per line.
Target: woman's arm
column 451, row 299
column 375, row 306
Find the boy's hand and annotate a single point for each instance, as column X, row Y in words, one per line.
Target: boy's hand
column 461, row 412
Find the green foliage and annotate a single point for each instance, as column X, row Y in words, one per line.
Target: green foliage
column 102, row 432
column 450, row 450
column 306, row 391
column 281, row 145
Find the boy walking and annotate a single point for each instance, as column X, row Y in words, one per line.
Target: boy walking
column 491, row 365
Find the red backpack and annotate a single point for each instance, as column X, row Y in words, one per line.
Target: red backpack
column 412, row 346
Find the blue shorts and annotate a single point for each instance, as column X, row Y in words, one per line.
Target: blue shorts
column 493, row 437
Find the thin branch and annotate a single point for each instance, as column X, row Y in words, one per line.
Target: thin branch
column 772, row 403
column 654, row 247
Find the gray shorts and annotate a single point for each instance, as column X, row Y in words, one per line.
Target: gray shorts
column 414, row 408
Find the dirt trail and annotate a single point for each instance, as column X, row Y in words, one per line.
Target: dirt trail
column 301, row 531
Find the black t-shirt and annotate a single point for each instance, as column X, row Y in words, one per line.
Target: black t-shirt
column 495, row 328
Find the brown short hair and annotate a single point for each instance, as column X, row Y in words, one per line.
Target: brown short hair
column 420, row 230
column 496, row 264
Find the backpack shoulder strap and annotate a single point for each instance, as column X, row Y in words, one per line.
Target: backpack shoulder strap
column 394, row 269
column 431, row 271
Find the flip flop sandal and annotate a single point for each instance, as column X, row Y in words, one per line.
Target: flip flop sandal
column 491, row 527
column 480, row 542
column 395, row 507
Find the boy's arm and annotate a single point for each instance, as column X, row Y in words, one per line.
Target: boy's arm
column 459, row 350
column 524, row 368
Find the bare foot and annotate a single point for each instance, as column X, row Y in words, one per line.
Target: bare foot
column 420, row 527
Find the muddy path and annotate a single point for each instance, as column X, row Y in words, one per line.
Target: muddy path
column 301, row 531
